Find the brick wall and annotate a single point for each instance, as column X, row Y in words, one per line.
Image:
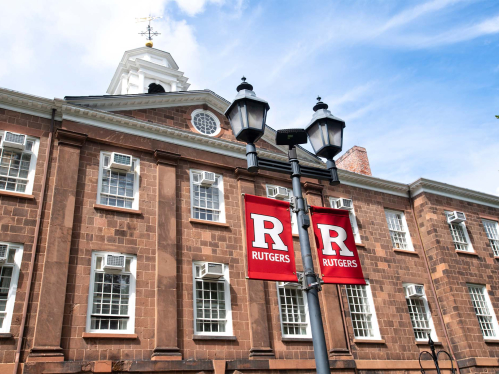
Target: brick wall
column 387, row 269
column 355, row 159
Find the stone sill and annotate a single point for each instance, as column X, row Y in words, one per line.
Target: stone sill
column 117, row 209
column 426, row 343
column 491, row 341
column 213, row 337
column 6, row 335
column 369, row 341
column 297, row 340
column 203, row 222
column 466, row 253
column 414, row 253
column 96, row 335
column 17, row 194
column 496, row 257
column 360, row 245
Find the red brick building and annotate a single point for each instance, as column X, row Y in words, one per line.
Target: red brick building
column 107, row 219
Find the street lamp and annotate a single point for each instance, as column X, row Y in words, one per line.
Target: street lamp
column 247, row 115
column 325, row 132
column 434, row 356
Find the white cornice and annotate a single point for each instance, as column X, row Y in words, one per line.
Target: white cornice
column 146, row 101
column 444, row 189
column 28, row 104
column 372, row 183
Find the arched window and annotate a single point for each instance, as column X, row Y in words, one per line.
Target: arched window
column 155, row 88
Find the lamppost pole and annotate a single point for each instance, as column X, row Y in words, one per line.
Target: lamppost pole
column 247, row 115
column 312, row 284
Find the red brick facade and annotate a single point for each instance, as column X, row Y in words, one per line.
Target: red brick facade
column 166, row 241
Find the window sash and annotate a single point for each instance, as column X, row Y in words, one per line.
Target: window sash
column 17, row 168
column 419, row 312
column 111, row 299
column 9, row 276
column 362, row 313
column 212, row 309
column 483, row 310
column 207, row 202
column 492, row 231
column 293, row 312
column 399, row 233
column 118, row 188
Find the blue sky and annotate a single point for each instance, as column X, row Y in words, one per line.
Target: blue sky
column 416, row 81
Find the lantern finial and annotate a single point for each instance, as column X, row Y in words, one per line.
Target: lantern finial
column 245, row 85
column 320, row 104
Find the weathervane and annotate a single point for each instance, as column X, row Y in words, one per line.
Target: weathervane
column 148, row 33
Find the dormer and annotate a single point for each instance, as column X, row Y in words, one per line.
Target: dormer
column 147, row 70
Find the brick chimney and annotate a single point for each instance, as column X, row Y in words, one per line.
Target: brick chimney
column 355, row 159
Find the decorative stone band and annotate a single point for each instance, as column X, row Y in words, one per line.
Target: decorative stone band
column 70, row 138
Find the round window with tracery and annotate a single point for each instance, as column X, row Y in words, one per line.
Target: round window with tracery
column 205, row 123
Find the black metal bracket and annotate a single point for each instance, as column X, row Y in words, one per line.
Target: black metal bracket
column 317, row 284
column 285, row 167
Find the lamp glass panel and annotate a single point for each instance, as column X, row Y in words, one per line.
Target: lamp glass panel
column 256, row 114
column 335, row 130
column 314, row 134
column 235, row 119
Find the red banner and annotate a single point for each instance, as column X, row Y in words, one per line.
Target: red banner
column 338, row 257
column 269, row 239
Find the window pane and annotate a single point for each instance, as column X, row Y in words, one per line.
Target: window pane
column 293, row 316
column 482, row 310
column 205, row 200
column 360, row 311
column 211, row 312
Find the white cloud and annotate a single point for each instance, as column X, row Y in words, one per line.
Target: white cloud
column 193, row 7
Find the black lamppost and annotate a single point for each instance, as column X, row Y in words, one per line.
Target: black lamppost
column 434, row 356
column 247, row 115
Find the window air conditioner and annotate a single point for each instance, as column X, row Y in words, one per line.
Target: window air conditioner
column 207, row 178
column 4, row 249
column 343, row 203
column 212, row 270
column 415, row 291
column 114, row 262
column 294, row 284
column 456, row 217
column 279, row 193
column 13, row 140
column 120, row 161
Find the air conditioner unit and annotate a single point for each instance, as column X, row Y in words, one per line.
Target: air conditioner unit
column 114, row 262
column 120, row 161
column 279, row 193
column 13, row 140
column 456, row 217
column 294, row 284
column 343, row 203
column 212, row 270
column 207, row 178
column 415, row 291
column 4, row 250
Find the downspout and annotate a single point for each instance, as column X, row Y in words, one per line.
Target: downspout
column 35, row 243
column 427, row 266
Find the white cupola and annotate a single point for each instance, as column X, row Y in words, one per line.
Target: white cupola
column 147, row 70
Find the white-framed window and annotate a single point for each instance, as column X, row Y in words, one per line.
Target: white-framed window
column 460, row 236
column 351, row 215
column 111, row 297
column 362, row 311
column 492, row 231
column 483, row 310
column 205, row 122
column 118, row 187
column 212, row 309
column 11, row 255
column 419, row 311
column 271, row 193
column 207, row 200
column 399, row 231
column 293, row 309
column 17, row 166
